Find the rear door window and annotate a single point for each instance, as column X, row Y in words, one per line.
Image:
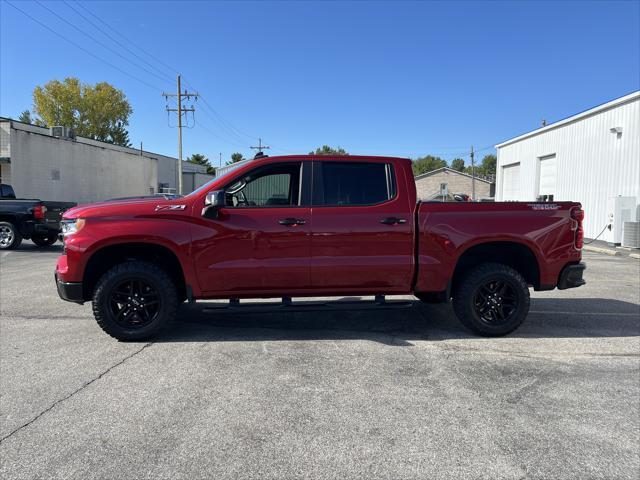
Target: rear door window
column 353, row 183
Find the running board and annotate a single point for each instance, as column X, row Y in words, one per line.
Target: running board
column 304, row 306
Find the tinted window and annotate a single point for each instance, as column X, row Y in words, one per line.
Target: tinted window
column 271, row 186
column 346, row 183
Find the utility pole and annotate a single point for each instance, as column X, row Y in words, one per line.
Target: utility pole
column 473, row 177
column 260, row 147
column 180, row 111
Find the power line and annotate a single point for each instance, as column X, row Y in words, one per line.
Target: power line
column 150, row 55
column 88, row 52
column 99, row 42
column 233, row 131
column 106, row 34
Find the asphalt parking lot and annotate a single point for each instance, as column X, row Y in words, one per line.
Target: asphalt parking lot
column 395, row 392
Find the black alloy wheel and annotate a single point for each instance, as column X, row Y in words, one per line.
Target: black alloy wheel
column 491, row 299
column 495, row 302
column 134, row 303
column 134, row 300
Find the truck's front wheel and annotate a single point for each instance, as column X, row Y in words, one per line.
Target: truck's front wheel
column 134, row 300
column 492, row 299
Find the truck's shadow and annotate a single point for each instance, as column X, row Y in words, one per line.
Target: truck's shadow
column 548, row 318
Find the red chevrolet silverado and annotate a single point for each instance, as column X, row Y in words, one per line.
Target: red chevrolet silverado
column 296, row 226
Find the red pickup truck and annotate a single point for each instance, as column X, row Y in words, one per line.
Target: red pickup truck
column 296, row 226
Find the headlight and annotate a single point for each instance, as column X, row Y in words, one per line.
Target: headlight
column 69, row 227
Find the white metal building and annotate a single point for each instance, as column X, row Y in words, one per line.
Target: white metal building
column 50, row 164
column 591, row 157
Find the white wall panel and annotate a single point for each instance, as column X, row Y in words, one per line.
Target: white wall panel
column 592, row 163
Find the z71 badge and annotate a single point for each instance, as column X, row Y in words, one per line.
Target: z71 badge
column 164, row 208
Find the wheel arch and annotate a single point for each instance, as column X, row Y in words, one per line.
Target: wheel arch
column 516, row 255
column 106, row 257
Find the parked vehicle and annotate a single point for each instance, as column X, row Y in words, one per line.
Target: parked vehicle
column 449, row 197
column 22, row 218
column 298, row 226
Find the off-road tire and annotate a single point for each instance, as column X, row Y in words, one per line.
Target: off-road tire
column 15, row 235
column 44, row 241
column 465, row 295
column 134, row 270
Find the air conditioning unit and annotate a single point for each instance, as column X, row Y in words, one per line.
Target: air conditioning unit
column 631, row 234
column 62, row 132
column 619, row 210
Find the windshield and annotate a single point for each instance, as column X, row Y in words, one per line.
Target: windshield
column 207, row 186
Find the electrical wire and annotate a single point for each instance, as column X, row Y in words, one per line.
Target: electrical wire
column 106, row 34
column 168, row 67
column 598, row 236
column 102, row 44
column 88, row 52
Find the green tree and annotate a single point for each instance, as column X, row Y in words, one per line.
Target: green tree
column 25, row 117
column 99, row 111
column 200, row 159
column 488, row 165
column 457, row 164
column 235, row 158
column 427, row 164
column 327, row 150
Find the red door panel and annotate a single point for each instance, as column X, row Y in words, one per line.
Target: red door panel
column 361, row 248
column 249, row 250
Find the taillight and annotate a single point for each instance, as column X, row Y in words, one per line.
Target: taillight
column 39, row 211
column 579, row 237
column 577, row 214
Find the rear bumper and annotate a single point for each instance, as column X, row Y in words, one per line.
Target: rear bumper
column 69, row 291
column 571, row 276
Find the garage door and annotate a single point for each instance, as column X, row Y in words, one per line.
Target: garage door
column 511, row 182
column 547, row 179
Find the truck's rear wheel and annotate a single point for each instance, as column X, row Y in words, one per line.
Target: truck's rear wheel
column 44, row 241
column 492, row 300
column 10, row 237
column 134, row 300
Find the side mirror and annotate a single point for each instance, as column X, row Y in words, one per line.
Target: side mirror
column 212, row 203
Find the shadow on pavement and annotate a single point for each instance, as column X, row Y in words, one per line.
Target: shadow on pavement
column 398, row 326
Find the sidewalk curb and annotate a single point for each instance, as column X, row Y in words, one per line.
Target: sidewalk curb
column 606, row 251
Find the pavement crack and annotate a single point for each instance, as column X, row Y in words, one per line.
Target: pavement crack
column 78, row 390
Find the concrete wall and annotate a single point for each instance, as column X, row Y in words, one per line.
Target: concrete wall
column 429, row 185
column 65, row 170
column 192, row 180
column 593, row 163
column 83, row 170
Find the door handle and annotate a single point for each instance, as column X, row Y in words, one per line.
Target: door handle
column 292, row 222
column 392, row 220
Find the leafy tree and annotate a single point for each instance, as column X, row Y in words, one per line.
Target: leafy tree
column 427, row 164
column 25, row 117
column 235, row 158
column 327, row 150
column 457, row 164
column 99, row 111
column 488, row 165
column 200, row 159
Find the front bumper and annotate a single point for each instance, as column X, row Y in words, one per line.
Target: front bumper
column 571, row 276
column 69, row 291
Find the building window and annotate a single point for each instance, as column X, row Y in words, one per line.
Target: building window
column 444, row 189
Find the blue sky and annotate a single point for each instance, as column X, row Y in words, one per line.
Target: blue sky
column 388, row 78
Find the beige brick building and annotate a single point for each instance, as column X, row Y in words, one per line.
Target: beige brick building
column 432, row 183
